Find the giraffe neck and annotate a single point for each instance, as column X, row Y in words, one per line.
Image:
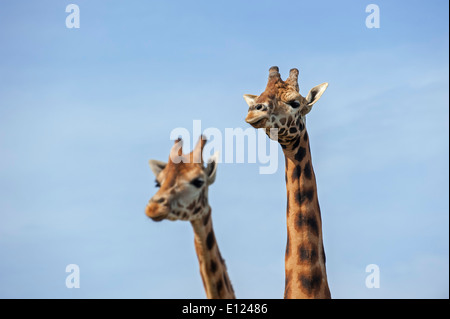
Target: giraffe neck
column 305, row 256
column 212, row 267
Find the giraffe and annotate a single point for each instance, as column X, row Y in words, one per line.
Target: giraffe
column 183, row 195
column 282, row 107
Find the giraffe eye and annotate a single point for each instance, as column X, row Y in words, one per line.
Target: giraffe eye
column 198, row 182
column 294, row 104
column 157, row 184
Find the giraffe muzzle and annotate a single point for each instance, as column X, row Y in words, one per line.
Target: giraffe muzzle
column 257, row 119
column 156, row 211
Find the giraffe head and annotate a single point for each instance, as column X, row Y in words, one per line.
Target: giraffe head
column 183, row 184
column 281, row 106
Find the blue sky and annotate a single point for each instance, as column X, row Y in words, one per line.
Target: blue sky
column 83, row 110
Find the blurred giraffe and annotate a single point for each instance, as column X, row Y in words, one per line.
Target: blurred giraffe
column 183, row 195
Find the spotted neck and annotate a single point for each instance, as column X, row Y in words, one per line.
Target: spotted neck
column 305, row 256
column 213, row 270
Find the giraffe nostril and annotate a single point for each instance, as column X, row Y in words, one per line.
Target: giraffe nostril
column 159, row 200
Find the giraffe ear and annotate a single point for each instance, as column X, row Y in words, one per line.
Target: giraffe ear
column 250, row 99
column 156, row 166
column 211, row 168
column 313, row 96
